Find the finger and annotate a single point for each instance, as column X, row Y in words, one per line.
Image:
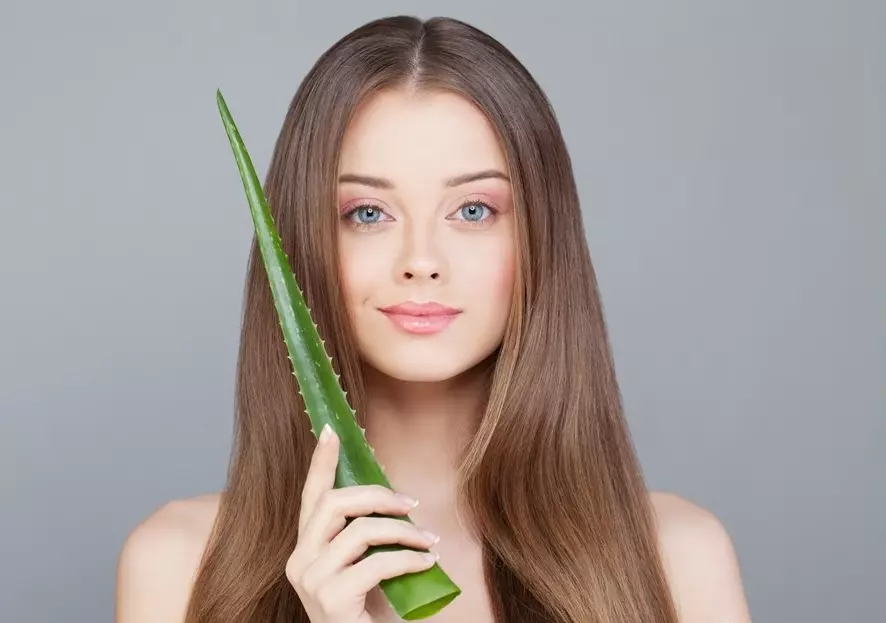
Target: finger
column 363, row 532
column 321, row 474
column 337, row 505
column 365, row 575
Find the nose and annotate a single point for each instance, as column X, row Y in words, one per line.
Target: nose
column 420, row 272
column 420, row 259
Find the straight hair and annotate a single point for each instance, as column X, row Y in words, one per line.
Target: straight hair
column 550, row 482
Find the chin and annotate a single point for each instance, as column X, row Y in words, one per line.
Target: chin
column 418, row 370
column 427, row 365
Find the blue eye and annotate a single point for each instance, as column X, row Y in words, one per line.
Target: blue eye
column 472, row 211
column 364, row 215
column 372, row 214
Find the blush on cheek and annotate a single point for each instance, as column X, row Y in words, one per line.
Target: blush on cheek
column 359, row 279
column 503, row 276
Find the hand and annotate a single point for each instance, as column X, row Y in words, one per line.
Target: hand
column 321, row 569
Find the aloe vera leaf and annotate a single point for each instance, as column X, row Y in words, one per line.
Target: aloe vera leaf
column 412, row 596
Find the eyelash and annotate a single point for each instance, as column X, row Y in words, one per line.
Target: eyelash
column 364, row 226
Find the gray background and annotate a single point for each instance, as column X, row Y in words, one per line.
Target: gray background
column 730, row 157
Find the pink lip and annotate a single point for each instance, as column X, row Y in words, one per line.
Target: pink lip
column 421, row 318
column 420, row 309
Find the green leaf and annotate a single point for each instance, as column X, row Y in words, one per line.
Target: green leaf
column 412, row 595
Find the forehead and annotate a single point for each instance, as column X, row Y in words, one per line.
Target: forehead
column 400, row 135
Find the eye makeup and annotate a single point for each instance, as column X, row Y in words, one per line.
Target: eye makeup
column 377, row 210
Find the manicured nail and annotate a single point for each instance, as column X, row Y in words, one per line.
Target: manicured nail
column 325, row 434
column 431, row 556
column 433, row 538
column 407, row 500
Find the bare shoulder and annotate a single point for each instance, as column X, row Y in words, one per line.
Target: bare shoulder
column 159, row 560
column 700, row 561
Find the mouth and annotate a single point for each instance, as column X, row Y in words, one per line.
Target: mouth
column 421, row 319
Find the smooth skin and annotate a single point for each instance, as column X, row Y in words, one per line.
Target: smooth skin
column 411, row 231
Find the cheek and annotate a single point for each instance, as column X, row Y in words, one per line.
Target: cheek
column 362, row 269
column 505, row 276
column 491, row 274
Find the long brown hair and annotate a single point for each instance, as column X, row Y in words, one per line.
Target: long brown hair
column 550, row 480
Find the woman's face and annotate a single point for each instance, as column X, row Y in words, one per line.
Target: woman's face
column 426, row 217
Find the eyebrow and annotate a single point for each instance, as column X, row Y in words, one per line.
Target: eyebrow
column 458, row 180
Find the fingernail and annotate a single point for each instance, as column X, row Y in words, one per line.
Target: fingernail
column 325, row 434
column 431, row 556
column 407, row 500
column 433, row 538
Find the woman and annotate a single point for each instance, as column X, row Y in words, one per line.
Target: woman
column 425, row 196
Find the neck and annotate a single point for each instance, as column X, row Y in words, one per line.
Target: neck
column 418, row 430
